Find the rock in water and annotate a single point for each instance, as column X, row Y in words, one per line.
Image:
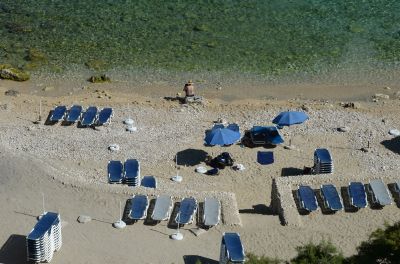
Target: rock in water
column 83, row 219
column 14, row 74
column 11, row 93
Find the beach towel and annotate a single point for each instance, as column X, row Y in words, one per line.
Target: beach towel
column 265, row 157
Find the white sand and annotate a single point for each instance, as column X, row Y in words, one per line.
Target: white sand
column 69, row 165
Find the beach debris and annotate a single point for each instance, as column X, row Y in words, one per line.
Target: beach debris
column 131, row 129
column 197, row 231
column 221, row 120
column 290, row 147
column 305, row 107
column 381, row 96
column 201, row 169
column 48, row 88
column 387, row 88
column 113, row 147
column 128, row 122
column 83, row 219
column 238, row 167
column 365, row 149
column 13, row 74
column 343, row 129
column 394, row 132
column 353, row 105
column 99, row 79
column 11, row 93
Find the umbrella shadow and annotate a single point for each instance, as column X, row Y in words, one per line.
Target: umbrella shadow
column 191, row 157
column 392, row 144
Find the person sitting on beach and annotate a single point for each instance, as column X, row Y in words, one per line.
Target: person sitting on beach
column 189, row 90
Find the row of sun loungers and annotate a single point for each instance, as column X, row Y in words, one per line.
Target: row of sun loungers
column 92, row 115
column 186, row 212
column 357, row 193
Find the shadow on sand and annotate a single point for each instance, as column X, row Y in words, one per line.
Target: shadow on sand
column 392, row 144
column 14, row 250
column 191, row 157
column 194, row 259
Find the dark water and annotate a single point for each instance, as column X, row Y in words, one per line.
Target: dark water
column 275, row 38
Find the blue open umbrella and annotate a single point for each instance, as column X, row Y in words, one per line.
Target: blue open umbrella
column 221, row 136
column 289, row 118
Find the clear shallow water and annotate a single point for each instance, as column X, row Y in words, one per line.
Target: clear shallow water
column 271, row 38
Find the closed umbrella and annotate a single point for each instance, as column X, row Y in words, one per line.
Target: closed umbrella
column 221, row 137
column 289, row 118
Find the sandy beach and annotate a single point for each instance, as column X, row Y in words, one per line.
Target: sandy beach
column 69, row 165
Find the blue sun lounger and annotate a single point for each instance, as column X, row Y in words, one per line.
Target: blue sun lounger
column 114, row 169
column 58, row 113
column 186, row 211
column 379, row 193
column 89, row 116
column 139, row 205
column 74, row 114
column 149, row 182
column 357, row 195
column 331, row 197
column 105, row 116
column 307, row 198
column 232, row 250
column 132, row 172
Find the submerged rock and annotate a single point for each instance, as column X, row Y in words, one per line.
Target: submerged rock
column 11, row 93
column 381, row 96
column 14, row 74
column 99, row 79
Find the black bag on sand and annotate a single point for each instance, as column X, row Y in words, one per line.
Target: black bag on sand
column 221, row 161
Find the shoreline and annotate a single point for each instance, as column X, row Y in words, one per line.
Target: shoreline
column 224, row 87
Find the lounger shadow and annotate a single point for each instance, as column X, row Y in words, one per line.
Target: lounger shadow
column 297, row 202
column 14, row 250
column 193, row 259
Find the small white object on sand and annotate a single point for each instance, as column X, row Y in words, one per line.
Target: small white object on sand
column 238, row 167
column 131, row 129
column 177, row 236
column 119, row 224
column 129, row 122
column 113, row 147
column 83, row 219
column 201, row 169
column 177, row 178
column 394, row 132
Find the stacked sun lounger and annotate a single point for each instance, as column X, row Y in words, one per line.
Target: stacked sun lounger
column 187, row 209
column 307, row 199
column 331, row 197
column 231, row 249
column 323, row 162
column 212, row 211
column 132, row 172
column 139, row 206
column 45, row 238
column 162, row 208
column 92, row 115
column 379, row 193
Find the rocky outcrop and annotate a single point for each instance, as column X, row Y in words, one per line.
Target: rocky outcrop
column 13, row 74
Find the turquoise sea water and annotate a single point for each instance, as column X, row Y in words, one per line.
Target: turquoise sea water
column 264, row 37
